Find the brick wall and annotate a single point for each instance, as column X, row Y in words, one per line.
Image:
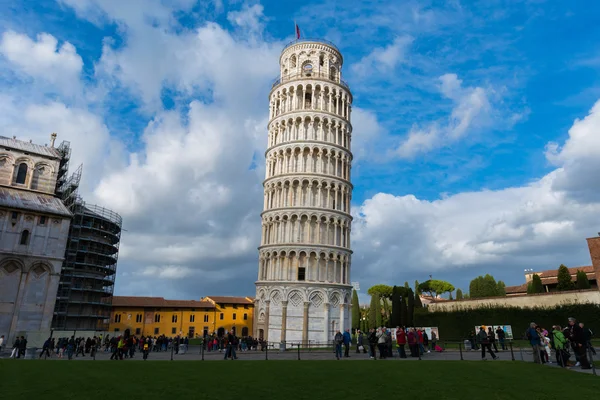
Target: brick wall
column 594, row 246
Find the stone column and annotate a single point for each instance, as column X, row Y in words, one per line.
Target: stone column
column 326, row 323
column 305, row 324
column 268, row 303
column 283, row 319
column 342, row 316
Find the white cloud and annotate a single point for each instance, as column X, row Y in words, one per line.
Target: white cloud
column 249, row 18
column 540, row 225
column 471, row 110
column 44, row 59
column 384, row 59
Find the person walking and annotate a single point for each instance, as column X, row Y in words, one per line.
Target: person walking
column 347, row 341
column 577, row 337
column 338, row 339
column 381, row 337
column 534, row 341
column 485, row 343
column 501, row 337
column 587, row 332
column 559, row 346
column 372, row 343
column 46, row 348
column 1, row 343
column 433, row 339
column 360, row 338
column 401, row 342
column 492, row 338
column 16, row 347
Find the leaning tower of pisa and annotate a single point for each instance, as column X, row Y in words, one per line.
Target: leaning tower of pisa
column 303, row 289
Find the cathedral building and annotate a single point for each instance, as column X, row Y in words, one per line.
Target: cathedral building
column 34, row 227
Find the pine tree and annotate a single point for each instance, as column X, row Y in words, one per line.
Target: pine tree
column 450, row 296
column 459, row 294
column 411, row 308
column 378, row 317
column 406, row 285
column 355, row 311
column 417, row 290
column 535, row 286
column 582, row 281
column 404, row 309
column 501, row 289
column 418, row 303
column 565, row 282
column 396, row 306
column 373, row 308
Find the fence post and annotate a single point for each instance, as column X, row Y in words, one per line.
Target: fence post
column 298, row 351
column 460, row 350
column 521, row 351
column 202, row 351
column 512, row 353
column 172, row 352
column 591, row 359
column 267, row 351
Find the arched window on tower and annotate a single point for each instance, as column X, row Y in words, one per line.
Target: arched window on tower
column 25, row 237
column 333, row 74
column 293, row 61
column 301, row 273
column 21, row 173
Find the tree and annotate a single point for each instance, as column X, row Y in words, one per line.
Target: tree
column 378, row 319
column 565, row 282
column 436, row 287
column 396, row 306
column 418, row 302
column 404, row 310
column 484, row 286
column 459, row 294
column 450, row 296
column 501, row 289
column 374, row 309
column 417, row 290
column 582, row 280
column 410, row 307
column 406, row 285
column 355, row 311
column 385, row 319
column 535, row 286
column 382, row 290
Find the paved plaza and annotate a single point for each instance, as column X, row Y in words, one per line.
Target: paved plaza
column 194, row 354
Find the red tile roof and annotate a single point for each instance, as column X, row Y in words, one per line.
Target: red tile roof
column 158, row 302
column 229, row 299
column 549, row 277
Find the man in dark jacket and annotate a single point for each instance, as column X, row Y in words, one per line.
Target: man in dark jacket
column 372, row 342
column 360, row 342
column 577, row 338
column 587, row 332
column 22, row 346
column 501, row 337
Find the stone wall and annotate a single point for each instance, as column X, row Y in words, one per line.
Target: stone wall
column 525, row 301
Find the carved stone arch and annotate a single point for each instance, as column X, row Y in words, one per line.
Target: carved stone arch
column 276, row 297
column 346, row 298
column 317, row 298
column 335, row 298
column 296, row 298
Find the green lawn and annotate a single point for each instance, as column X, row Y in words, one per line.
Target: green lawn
column 289, row 380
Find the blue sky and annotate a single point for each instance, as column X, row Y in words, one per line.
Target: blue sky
column 466, row 157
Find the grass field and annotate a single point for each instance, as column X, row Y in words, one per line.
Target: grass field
column 290, row 380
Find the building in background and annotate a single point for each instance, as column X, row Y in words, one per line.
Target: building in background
column 156, row 316
column 87, row 277
column 303, row 287
column 550, row 280
column 34, row 228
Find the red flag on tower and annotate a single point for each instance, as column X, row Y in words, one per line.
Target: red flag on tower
column 297, row 31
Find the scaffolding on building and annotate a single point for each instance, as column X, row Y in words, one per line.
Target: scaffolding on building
column 87, row 278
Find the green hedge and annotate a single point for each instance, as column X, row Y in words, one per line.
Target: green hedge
column 455, row 325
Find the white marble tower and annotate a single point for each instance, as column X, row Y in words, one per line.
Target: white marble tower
column 303, row 289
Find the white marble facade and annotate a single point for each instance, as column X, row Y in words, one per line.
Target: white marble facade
column 303, row 288
column 34, row 227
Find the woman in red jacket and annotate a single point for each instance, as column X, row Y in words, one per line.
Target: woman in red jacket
column 401, row 342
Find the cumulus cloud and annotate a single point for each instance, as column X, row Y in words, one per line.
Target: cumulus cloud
column 44, row 59
column 471, row 110
column 384, row 58
column 539, row 225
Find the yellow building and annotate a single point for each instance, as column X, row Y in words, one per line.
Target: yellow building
column 157, row 316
